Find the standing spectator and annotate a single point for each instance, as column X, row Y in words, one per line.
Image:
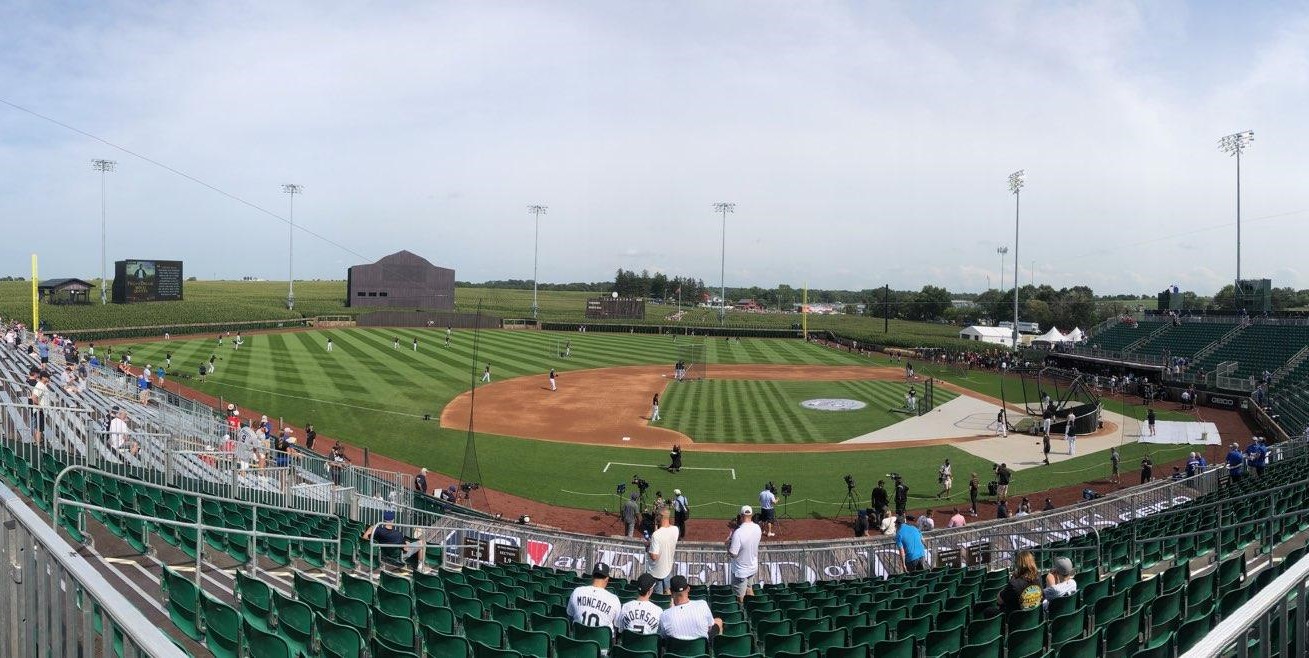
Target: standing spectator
column 1194, row 464
column 1257, row 455
column 1060, row 582
column 1235, row 462
column 336, row 461
column 660, row 550
column 909, row 540
column 1147, row 469
column 1001, row 509
column 630, row 512
column 686, row 619
column 925, row 521
column 282, row 446
column 1002, row 477
column 956, row 520
column 310, row 435
column 1114, row 459
column 594, row 606
column 743, row 547
column 639, row 615
column 973, row 486
column 945, row 476
column 681, row 512
column 881, row 501
column 40, row 398
column 767, row 501
column 420, row 481
column 901, row 496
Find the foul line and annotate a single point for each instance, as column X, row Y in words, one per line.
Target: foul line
column 684, row 468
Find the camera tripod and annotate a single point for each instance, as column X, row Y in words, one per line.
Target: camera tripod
column 851, row 493
column 786, row 509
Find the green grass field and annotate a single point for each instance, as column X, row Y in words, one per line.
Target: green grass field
column 371, row 395
column 747, row 411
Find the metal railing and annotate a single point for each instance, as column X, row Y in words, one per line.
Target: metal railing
column 52, row 600
column 1274, row 616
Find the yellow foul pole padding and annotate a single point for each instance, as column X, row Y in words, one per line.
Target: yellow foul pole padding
column 36, row 300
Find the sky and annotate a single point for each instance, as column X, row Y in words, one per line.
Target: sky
column 864, row 143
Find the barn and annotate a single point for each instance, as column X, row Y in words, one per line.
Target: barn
column 404, row 280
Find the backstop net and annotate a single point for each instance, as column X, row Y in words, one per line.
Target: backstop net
column 691, row 356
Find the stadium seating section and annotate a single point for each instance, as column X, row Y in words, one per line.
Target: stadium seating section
column 1184, row 340
column 1119, row 336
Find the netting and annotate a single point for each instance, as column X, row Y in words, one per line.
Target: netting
column 691, row 358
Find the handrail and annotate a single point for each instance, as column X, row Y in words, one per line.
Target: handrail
column 1254, row 615
column 139, row 633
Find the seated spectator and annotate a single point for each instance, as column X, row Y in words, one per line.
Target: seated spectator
column 925, row 521
column 1022, row 592
column 639, row 615
column 686, row 619
column 388, row 539
column 956, row 521
column 888, row 524
column 1060, row 582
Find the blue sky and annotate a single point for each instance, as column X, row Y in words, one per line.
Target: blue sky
column 864, row 143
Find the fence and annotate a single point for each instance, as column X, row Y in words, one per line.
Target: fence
column 1272, row 622
column 52, row 601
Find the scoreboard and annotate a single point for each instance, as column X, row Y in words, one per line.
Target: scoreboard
column 147, row 281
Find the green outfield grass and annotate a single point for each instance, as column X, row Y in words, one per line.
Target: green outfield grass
column 372, row 395
column 747, row 411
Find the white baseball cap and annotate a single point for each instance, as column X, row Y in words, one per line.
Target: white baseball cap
column 746, row 510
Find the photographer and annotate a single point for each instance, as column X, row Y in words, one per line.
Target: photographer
column 880, row 500
column 675, row 459
column 767, row 503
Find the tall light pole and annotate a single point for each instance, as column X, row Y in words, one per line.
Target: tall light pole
column 724, row 208
column 1002, row 251
column 291, row 189
column 537, row 210
column 1236, row 144
column 1016, row 181
column 104, row 167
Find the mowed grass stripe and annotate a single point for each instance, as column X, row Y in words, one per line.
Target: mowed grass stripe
column 795, row 426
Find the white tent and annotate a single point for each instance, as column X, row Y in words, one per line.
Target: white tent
column 994, row 335
column 1076, row 335
column 1051, row 336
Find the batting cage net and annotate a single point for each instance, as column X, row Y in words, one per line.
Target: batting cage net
column 691, row 357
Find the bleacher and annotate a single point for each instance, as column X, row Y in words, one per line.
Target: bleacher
column 1257, row 348
column 1119, row 336
column 1149, row 586
column 1184, row 340
column 1290, row 399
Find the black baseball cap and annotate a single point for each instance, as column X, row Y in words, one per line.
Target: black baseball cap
column 600, row 570
column 679, row 584
column 645, row 583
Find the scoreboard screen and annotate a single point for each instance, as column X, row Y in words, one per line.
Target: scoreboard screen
column 147, row 281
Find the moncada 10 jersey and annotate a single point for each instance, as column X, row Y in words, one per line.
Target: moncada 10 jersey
column 593, row 606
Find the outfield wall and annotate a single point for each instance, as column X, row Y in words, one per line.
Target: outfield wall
column 435, row 319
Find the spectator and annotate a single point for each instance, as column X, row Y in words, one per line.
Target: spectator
column 881, row 501
column 593, row 605
column 311, row 435
column 1257, row 455
column 120, row 436
column 639, row 615
column 743, row 547
column 1195, row 464
column 767, row 500
column 686, row 619
column 336, row 461
column 925, row 521
column 1022, row 592
column 630, row 512
column 660, row 550
column 1113, row 464
column 420, row 481
column 282, row 446
column 1235, row 462
column 973, row 486
column 681, row 512
column 888, row 523
column 1001, row 509
column 861, row 523
column 1060, row 582
column 1147, row 469
column 909, row 540
column 1049, row 505
column 1002, row 477
column 387, row 538
column 956, row 520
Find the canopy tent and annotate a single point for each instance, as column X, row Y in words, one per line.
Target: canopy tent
column 1051, row 336
column 1076, row 335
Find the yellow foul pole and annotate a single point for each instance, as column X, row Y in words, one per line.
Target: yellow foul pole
column 36, row 300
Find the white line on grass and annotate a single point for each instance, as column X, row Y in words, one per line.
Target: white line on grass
column 684, row 468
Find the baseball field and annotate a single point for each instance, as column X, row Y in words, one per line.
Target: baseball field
column 741, row 430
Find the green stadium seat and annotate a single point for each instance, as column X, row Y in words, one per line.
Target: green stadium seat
column 901, row 648
column 567, row 647
column 259, row 643
column 533, row 644
column 445, row 645
column 1083, row 647
column 222, row 628
column 295, row 622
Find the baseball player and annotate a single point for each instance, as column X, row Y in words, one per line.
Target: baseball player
column 654, row 408
column 553, row 387
column 447, row 336
column 415, row 344
column 486, row 374
column 329, row 345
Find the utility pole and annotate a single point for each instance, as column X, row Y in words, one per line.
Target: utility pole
column 724, row 208
column 1002, row 251
column 1234, row 145
column 1016, row 181
column 104, row 167
column 536, row 210
column 291, row 189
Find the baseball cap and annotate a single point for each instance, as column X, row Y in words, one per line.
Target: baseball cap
column 388, row 515
column 746, row 510
column 677, row 492
column 600, row 570
column 678, row 584
column 1063, row 566
column 645, row 583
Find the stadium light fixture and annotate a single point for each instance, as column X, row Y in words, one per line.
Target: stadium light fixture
column 104, row 167
column 723, row 207
column 1002, row 250
column 1234, row 145
column 291, row 189
column 1016, row 181
column 537, row 210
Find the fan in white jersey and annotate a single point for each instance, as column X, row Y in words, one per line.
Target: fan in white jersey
column 686, row 619
column 639, row 615
column 593, row 605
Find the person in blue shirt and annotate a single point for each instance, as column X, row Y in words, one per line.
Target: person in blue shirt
column 1195, row 464
column 1235, row 462
column 909, row 540
column 43, row 350
column 1256, row 455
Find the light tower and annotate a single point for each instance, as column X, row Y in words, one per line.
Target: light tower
column 104, row 167
column 291, row 189
column 1016, row 181
column 1002, row 250
column 723, row 207
column 536, row 210
column 1234, row 145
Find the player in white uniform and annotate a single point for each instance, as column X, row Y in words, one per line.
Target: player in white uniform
column 593, row 605
column 686, row 619
column 639, row 615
